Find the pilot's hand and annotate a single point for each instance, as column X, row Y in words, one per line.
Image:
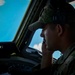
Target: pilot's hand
column 45, row 51
column 46, row 56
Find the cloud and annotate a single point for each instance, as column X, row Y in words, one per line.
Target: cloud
column 38, row 46
column 2, row 2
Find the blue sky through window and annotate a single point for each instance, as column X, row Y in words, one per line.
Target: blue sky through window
column 11, row 15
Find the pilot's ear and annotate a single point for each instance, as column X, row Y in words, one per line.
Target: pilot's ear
column 59, row 29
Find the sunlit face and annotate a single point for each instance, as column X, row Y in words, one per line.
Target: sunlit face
column 50, row 37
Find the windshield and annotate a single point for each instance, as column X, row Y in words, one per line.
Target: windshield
column 11, row 15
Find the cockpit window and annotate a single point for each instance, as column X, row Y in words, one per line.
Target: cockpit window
column 11, row 15
column 36, row 40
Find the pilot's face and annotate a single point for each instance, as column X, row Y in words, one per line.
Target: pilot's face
column 50, row 37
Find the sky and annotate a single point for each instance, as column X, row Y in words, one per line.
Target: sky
column 11, row 15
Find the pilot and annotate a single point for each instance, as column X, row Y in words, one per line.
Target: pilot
column 58, row 32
